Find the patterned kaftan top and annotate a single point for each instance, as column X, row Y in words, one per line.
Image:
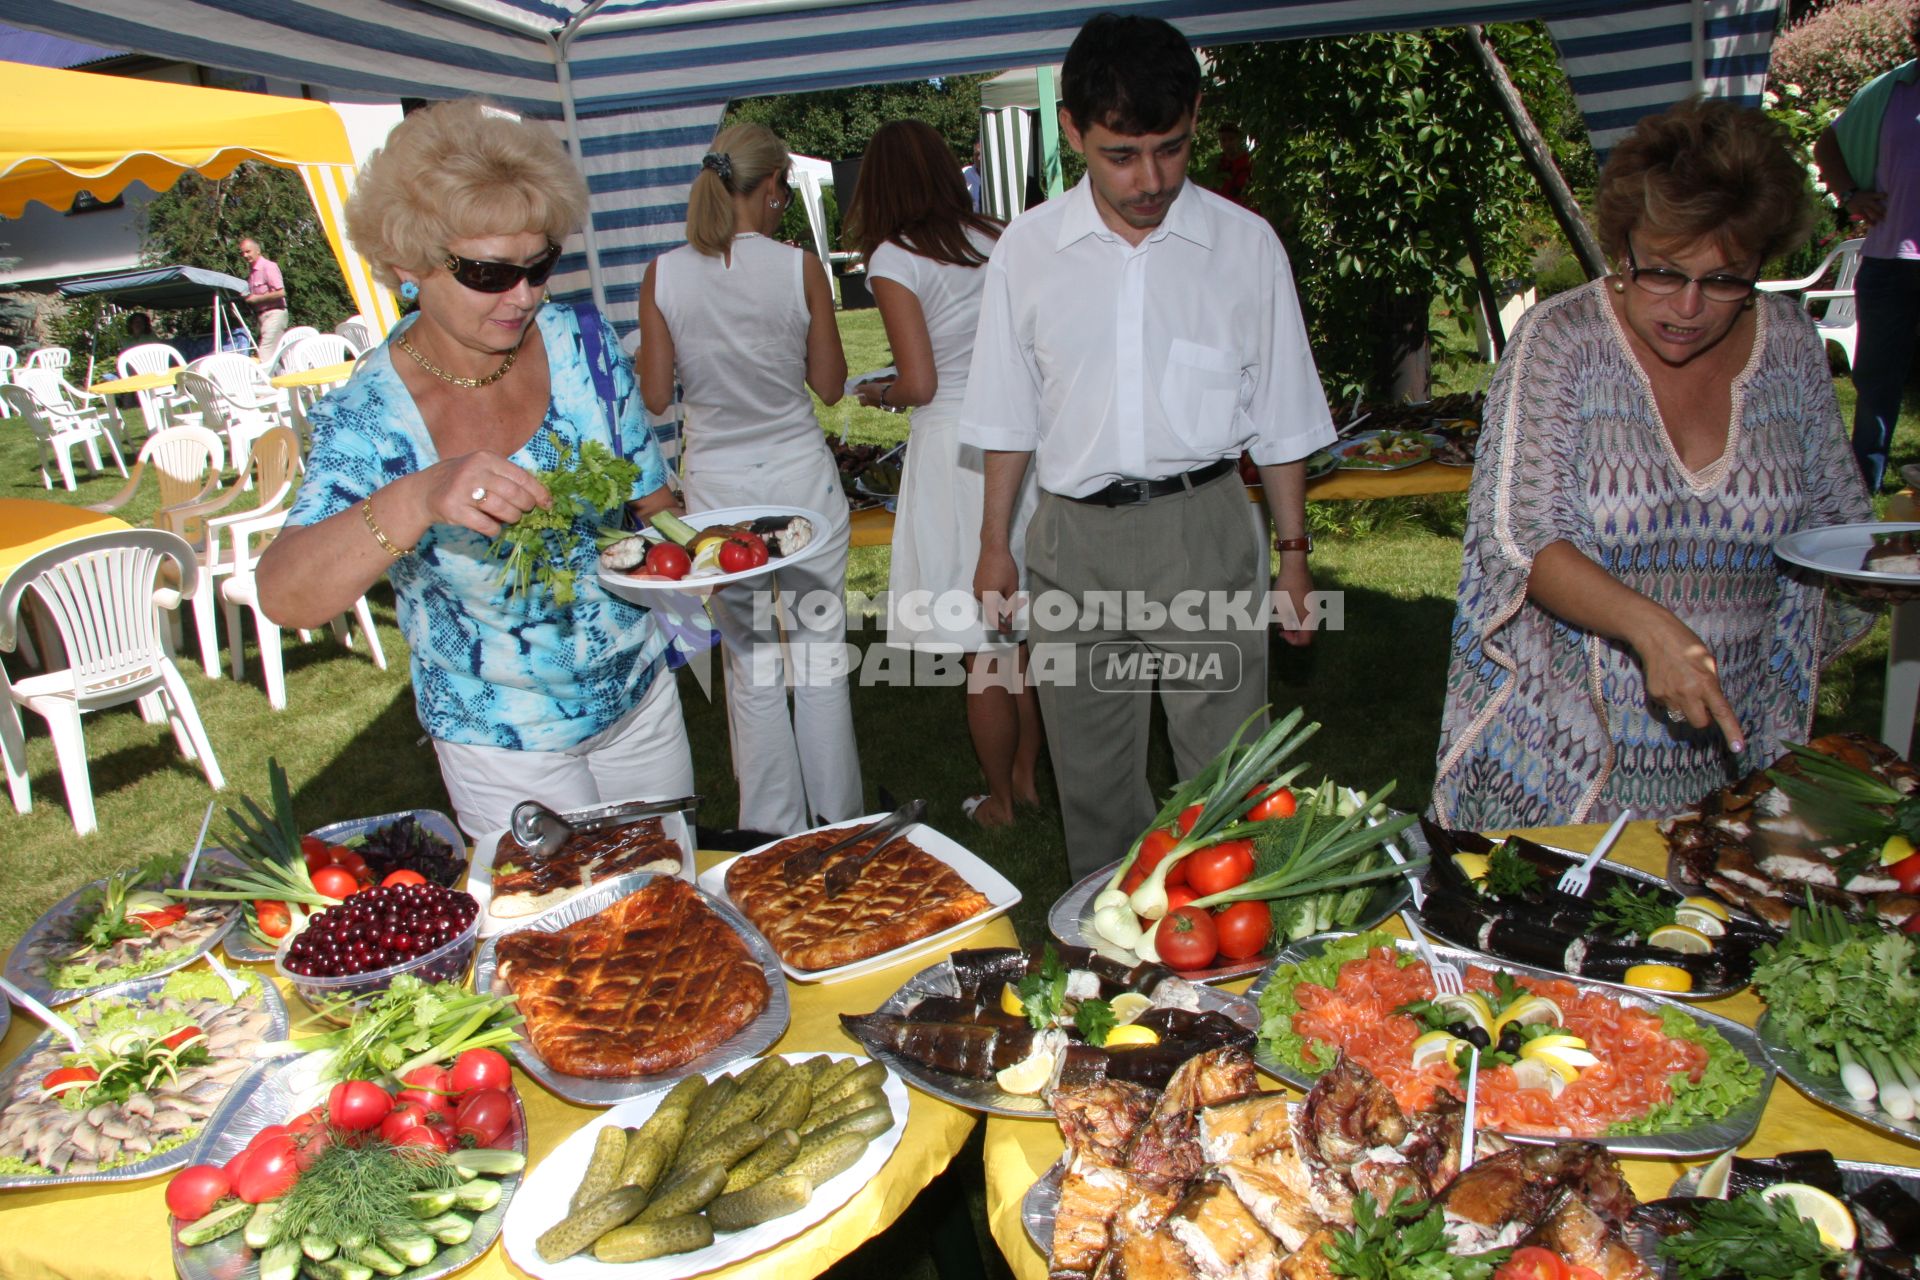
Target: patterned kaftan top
column 1546, row 724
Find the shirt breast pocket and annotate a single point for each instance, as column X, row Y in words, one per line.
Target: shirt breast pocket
column 1200, row 394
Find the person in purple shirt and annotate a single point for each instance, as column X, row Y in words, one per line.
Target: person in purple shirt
column 1870, row 159
column 267, row 294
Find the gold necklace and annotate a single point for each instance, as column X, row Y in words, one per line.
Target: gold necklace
column 456, row 380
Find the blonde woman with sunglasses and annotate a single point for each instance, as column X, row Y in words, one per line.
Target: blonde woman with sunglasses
column 434, row 447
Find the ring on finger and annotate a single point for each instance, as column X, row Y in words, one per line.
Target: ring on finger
column 479, row 493
column 1675, row 715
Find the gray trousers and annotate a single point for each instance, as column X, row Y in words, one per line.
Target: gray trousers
column 1168, row 593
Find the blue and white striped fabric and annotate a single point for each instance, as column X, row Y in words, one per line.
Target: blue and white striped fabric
column 649, row 79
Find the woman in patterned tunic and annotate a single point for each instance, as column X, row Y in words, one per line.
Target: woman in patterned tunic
column 431, row 449
column 1625, row 637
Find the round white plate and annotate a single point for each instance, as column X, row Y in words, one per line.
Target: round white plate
column 1347, row 450
column 1838, row 550
column 639, row 590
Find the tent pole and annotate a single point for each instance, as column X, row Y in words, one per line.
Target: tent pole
column 1049, row 132
column 560, row 45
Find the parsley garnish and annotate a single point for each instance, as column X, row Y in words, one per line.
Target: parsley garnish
column 1094, row 1019
column 1509, row 874
column 538, row 546
column 1626, row 914
column 1044, row 994
column 1403, row 1242
column 1753, row 1237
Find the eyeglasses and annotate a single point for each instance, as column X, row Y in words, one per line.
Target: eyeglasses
column 482, row 276
column 1664, row 281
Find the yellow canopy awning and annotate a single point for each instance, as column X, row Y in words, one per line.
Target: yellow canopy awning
column 70, row 131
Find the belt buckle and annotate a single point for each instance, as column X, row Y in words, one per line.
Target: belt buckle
column 1128, row 493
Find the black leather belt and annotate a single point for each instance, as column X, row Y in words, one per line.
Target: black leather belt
column 1128, row 493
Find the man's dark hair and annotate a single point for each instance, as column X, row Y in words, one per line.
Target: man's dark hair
column 1129, row 74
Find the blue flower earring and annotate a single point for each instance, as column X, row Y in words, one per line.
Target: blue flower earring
column 409, row 291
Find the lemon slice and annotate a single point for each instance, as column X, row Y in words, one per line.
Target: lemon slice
column 1564, row 1055
column 1436, row 1046
column 1682, row 938
column 1128, row 1006
column 1714, row 1175
column 1028, row 1076
column 1131, row 1034
column 1837, row 1230
column 1710, row 906
column 1010, row 1002
column 1532, row 1073
column 1694, row 918
column 1529, row 1011
column 1471, row 1007
column 707, row 559
column 1472, row 865
column 1897, row 849
column 1658, row 977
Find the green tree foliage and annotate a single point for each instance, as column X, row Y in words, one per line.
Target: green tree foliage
column 1380, row 159
column 1832, row 53
column 201, row 221
column 834, row 124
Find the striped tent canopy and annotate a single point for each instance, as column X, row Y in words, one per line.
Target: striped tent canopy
column 639, row 85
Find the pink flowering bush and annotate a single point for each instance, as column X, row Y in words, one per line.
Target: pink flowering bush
column 1831, row 54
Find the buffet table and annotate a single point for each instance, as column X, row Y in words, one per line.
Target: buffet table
column 120, row 1230
column 1018, row 1152
column 873, row 527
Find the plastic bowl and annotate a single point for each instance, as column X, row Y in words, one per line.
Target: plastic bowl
column 447, row 963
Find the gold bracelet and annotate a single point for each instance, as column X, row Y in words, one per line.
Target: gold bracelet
column 379, row 534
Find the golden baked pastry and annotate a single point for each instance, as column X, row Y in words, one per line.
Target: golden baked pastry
column 902, row 896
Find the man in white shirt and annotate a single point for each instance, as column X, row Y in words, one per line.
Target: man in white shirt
column 1136, row 334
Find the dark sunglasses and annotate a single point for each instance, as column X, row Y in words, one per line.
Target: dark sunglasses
column 1663, row 282
column 483, row 276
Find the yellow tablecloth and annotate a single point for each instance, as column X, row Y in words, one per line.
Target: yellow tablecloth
column 874, row 526
column 1018, row 1152
column 120, row 1230
column 138, row 382
column 29, row 526
column 324, row 376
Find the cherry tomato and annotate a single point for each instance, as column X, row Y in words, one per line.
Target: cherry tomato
column 155, row 921
column 1280, row 804
column 307, row 1121
column 310, row 1145
column 1219, row 867
column 1188, row 816
column 1186, row 939
column 316, row 851
column 401, row 1121
column 1907, row 872
column 272, row 916
column 1532, row 1263
column 232, row 1167
column 422, row 1136
column 431, row 1087
column 357, row 1105
column 181, row 1037
column 347, row 860
column 483, row 1116
column 403, row 876
column 196, row 1189
column 1180, row 895
column 1244, row 929
column 269, row 1170
column 667, row 560
column 335, row 882
column 1155, row 847
column 480, row 1069
column 268, row 1134
column 742, row 551
column 66, row 1079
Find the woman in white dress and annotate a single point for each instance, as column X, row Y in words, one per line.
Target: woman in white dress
column 746, row 325
column 912, row 220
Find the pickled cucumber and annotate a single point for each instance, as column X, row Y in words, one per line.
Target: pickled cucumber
column 774, row 1198
column 769, row 1158
column 821, row 1117
column 831, row 1074
column 652, row 1146
column 581, row 1228
column 714, row 1095
column 869, row 1123
column 639, row 1241
column 688, row 1194
column 726, row 1148
column 744, row 1103
column 603, row 1168
column 788, row 1103
column 820, row 1159
column 864, row 1076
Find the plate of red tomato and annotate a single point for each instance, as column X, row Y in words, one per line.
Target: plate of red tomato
column 740, row 556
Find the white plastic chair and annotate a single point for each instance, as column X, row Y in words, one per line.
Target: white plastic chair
column 319, row 351
column 299, row 333
column 272, row 462
column 102, row 594
column 189, row 461
column 151, row 357
column 356, row 330
column 50, row 358
column 8, row 359
column 242, row 421
column 1837, row 324
column 58, row 429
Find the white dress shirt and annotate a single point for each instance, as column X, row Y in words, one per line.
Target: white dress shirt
column 1110, row 361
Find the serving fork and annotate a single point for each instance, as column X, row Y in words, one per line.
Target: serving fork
column 1447, row 978
column 1576, row 880
column 1466, row 1121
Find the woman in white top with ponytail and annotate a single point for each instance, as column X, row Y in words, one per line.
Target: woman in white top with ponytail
column 746, row 323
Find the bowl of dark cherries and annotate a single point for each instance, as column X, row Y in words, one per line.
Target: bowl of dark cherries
column 356, row 948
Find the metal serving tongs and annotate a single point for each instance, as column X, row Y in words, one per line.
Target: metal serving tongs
column 59, row 1025
column 542, row 832
column 806, row 863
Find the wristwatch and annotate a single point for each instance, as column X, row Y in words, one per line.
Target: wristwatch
column 1303, row 543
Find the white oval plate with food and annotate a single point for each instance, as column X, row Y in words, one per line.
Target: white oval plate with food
column 1352, row 458
column 640, row 589
column 1840, row 549
column 1000, row 893
column 543, row 1200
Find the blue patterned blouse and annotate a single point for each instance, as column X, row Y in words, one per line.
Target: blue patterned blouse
column 489, row 668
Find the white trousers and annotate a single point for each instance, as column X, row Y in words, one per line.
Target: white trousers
column 792, row 767
column 642, row 756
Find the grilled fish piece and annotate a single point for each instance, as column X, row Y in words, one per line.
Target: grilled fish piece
column 1167, row 1144
column 1504, row 1195
column 1154, row 1256
column 1098, row 1122
column 1222, row 1237
column 1093, row 1199
column 971, row 1049
column 1577, row 1233
column 981, row 971
column 1309, row 1261
column 1252, row 1142
column 1347, row 1112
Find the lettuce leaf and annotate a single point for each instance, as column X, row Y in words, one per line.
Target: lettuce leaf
column 1728, row 1083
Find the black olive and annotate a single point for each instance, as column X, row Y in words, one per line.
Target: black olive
column 1458, row 1029
column 1478, row 1037
column 1510, row 1040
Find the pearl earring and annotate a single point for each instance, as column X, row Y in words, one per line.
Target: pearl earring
column 1619, row 286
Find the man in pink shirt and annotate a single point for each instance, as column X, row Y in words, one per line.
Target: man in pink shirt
column 267, row 292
